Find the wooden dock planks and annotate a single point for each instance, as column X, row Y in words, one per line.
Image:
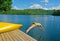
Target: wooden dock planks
column 15, row 35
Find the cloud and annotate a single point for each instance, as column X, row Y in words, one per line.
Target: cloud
column 15, row 7
column 45, row 1
column 38, row 6
column 56, row 8
column 35, row 6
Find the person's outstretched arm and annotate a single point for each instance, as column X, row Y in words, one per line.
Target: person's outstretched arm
column 31, row 27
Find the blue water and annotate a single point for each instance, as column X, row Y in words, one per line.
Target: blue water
column 49, row 22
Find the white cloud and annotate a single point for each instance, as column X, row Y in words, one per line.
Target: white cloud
column 56, row 8
column 35, row 6
column 15, row 7
column 45, row 1
column 38, row 6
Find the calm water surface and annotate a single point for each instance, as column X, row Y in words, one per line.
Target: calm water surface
column 49, row 22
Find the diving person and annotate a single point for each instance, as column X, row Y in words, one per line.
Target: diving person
column 33, row 26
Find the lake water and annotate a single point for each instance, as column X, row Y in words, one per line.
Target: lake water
column 49, row 22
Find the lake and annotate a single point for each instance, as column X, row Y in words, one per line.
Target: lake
column 49, row 22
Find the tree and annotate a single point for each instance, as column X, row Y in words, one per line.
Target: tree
column 56, row 12
column 5, row 5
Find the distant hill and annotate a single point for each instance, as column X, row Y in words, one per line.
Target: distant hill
column 30, row 12
column 39, row 11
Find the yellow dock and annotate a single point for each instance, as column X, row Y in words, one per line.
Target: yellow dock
column 16, row 35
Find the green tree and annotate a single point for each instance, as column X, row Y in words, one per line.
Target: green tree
column 56, row 12
column 5, row 5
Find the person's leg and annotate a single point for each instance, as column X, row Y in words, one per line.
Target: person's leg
column 31, row 27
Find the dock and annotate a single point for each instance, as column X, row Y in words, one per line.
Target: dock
column 16, row 35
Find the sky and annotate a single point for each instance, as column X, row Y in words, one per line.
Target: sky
column 36, row 4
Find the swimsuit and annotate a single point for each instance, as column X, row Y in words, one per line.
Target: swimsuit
column 38, row 24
